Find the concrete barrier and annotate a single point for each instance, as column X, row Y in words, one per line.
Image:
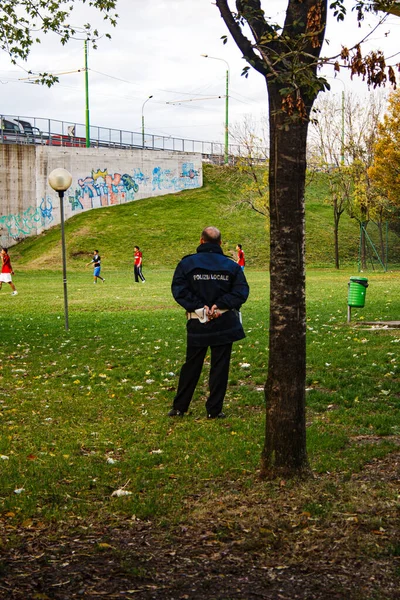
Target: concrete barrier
column 100, row 177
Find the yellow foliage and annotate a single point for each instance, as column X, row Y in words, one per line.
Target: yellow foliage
column 385, row 171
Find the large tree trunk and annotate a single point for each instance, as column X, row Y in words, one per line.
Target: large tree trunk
column 288, row 60
column 284, row 451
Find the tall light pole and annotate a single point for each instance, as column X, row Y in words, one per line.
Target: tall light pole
column 143, row 119
column 60, row 180
column 342, row 111
column 342, row 144
column 226, row 105
column 87, row 116
column 342, row 108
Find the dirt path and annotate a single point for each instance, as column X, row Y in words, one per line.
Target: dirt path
column 246, row 545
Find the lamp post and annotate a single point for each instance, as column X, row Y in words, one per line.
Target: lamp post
column 226, row 160
column 87, row 113
column 342, row 142
column 342, row 113
column 143, row 119
column 60, row 180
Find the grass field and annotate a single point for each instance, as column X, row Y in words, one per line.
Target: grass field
column 102, row 494
column 84, row 411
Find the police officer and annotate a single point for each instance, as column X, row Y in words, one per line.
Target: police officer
column 211, row 288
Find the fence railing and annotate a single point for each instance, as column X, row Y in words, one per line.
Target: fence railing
column 50, row 132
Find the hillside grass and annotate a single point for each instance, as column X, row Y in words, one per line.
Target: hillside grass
column 168, row 227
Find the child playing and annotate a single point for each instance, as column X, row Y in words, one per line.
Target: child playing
column 6, row 271
column 96, row 260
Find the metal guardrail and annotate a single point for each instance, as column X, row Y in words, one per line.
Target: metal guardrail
column 51, row 132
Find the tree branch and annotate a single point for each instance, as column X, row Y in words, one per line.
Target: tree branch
column 243, row 43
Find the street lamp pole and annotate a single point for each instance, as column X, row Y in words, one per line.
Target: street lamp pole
column 342, row 144
column 87, row 114
column 60, row 180
column 342, row 157
column 143, row 119
column 227, row 118
column 226, row 153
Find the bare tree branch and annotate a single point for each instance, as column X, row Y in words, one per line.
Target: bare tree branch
column 241, row 40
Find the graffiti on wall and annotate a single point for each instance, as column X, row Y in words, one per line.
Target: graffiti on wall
column 100, row 188
column 29, row 221
column 165, row 179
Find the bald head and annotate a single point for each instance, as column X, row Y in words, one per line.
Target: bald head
column 211, row 235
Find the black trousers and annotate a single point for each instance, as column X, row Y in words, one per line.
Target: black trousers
column 138, row 273
column 218, row 380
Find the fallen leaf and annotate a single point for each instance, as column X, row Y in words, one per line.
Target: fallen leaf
column 119, row 493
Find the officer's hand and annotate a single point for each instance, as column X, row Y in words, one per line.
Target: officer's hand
column 214, row 312
column 209, row 312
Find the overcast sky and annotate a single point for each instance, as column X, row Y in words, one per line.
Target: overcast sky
column 156, row 50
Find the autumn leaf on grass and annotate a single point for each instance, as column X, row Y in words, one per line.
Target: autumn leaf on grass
column 27, row 523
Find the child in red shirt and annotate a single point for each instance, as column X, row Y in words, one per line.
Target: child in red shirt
column 138, row 256
column 241, row 260
column 6, row 271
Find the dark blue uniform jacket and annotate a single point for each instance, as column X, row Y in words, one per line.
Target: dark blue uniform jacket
column 207, row 278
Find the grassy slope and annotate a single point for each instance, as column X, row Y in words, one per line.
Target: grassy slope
column 167, row 227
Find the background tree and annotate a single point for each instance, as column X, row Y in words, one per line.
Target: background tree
column 341, row 142
column 22, row 21
column 326, row 149
column 288, row 57
column 385, row 169
column 384, row 172
column 367, row 202
column 251, row 165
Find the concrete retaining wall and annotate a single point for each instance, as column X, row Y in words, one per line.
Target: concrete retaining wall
column 100, row 177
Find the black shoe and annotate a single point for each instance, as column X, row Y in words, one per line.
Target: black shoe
column 221, row 415
column 175, row 413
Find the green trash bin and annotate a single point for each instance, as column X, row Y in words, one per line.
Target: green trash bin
column 357, row 291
